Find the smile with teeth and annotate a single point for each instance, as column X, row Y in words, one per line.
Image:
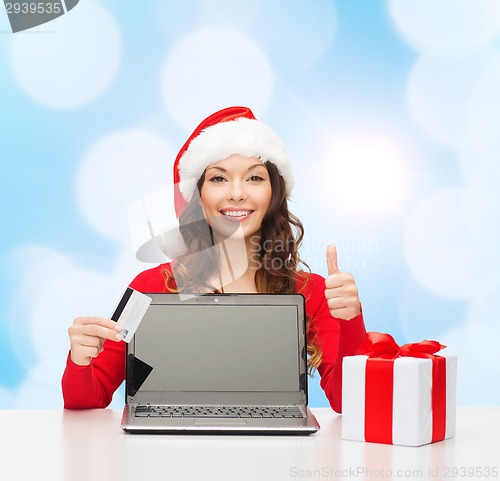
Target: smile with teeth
column 236, row 213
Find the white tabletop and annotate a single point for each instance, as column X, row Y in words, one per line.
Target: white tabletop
column 90, row 446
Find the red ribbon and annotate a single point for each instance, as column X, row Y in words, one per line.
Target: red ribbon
column 382, row 351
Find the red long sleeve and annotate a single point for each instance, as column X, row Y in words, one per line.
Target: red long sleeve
column 335, row 337
column 93, row 386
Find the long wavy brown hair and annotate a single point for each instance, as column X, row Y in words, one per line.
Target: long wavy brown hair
column 280, row 238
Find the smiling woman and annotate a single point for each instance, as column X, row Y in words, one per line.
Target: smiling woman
column 232, row 181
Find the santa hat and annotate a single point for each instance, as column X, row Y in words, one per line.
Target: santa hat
column 233, row 130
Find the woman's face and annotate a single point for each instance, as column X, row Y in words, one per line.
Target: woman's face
column 236, row 193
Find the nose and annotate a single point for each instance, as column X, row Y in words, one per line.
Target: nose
column 236, row 192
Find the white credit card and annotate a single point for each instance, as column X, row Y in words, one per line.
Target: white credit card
column 130, row 311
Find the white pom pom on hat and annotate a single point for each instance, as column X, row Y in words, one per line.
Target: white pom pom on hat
column 233, row 130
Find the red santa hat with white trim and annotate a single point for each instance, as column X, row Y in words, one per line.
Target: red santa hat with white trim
column 233, row 130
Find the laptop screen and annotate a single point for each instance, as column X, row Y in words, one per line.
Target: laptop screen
column 219, row 347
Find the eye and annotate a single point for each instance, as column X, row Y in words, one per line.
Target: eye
column 217, row 178
column 257, row 178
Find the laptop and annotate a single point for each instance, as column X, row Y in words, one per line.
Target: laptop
column 219, row 363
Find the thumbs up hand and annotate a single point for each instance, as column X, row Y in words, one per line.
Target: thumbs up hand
column 341, row 292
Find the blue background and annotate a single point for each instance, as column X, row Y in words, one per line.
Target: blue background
column 390, row 111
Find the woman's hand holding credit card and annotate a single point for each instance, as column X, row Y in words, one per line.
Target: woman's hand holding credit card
column 87, row 334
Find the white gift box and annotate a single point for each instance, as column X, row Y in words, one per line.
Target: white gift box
column 412, row 417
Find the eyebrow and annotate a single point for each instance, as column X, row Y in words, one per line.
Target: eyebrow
column 222, row 169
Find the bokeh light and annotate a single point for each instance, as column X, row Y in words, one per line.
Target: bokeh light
column 439, row 91
column 69, row 68
column 367, row 174
column 118, row 170
column 211, row 68
column 446, row 25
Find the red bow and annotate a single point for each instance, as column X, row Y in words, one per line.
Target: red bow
column 384, row 346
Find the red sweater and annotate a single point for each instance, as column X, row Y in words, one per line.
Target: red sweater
column 93, row 386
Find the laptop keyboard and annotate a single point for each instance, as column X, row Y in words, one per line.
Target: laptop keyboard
column 219, row 412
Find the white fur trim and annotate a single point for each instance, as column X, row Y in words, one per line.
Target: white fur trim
column 243, row 136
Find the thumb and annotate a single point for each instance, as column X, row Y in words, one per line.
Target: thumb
column 331, row 260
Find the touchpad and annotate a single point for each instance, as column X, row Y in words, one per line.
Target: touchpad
column 220, row 422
